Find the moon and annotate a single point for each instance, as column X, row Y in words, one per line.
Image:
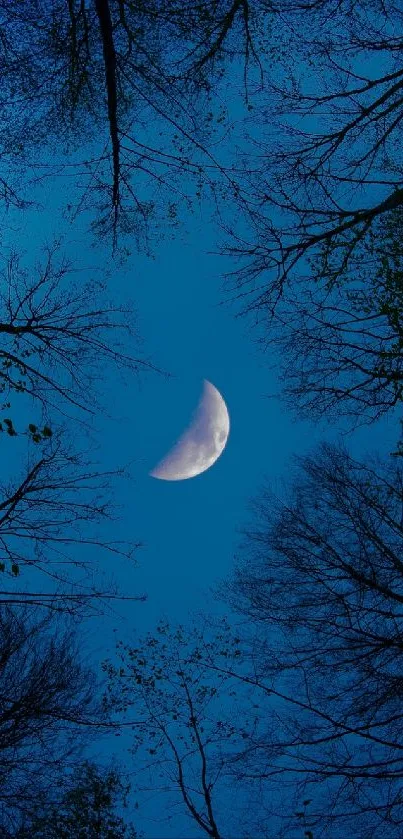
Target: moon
column 201, row 444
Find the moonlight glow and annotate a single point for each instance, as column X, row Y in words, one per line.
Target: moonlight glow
column 201, row 444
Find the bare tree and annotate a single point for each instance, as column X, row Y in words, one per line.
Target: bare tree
column 71, row 67
column 57, row 340
column 53, row 531
column 186, row 726
column 48, row 707
column 341, row 347
column 58, row 334
column 320, row 582
column 331, row 165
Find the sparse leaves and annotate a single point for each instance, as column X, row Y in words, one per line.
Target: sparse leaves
column 166, row 683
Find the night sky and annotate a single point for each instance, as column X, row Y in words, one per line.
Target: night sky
column 190, row 330
column 189, row 529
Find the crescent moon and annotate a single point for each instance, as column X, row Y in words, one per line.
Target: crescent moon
column 201, row 444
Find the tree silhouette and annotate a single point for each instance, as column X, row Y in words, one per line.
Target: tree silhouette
column 185, row 733
column 72, row 68
column 341, row 347
column 47, row 707
column 320, row 581
column 56, row 505
column 57, row 340
column 330, row 166
column 58, row 335
column 84, row 808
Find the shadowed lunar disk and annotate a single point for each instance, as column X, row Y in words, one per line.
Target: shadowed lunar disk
column 201, row 444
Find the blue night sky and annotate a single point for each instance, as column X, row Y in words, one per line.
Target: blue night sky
column 189, row 529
